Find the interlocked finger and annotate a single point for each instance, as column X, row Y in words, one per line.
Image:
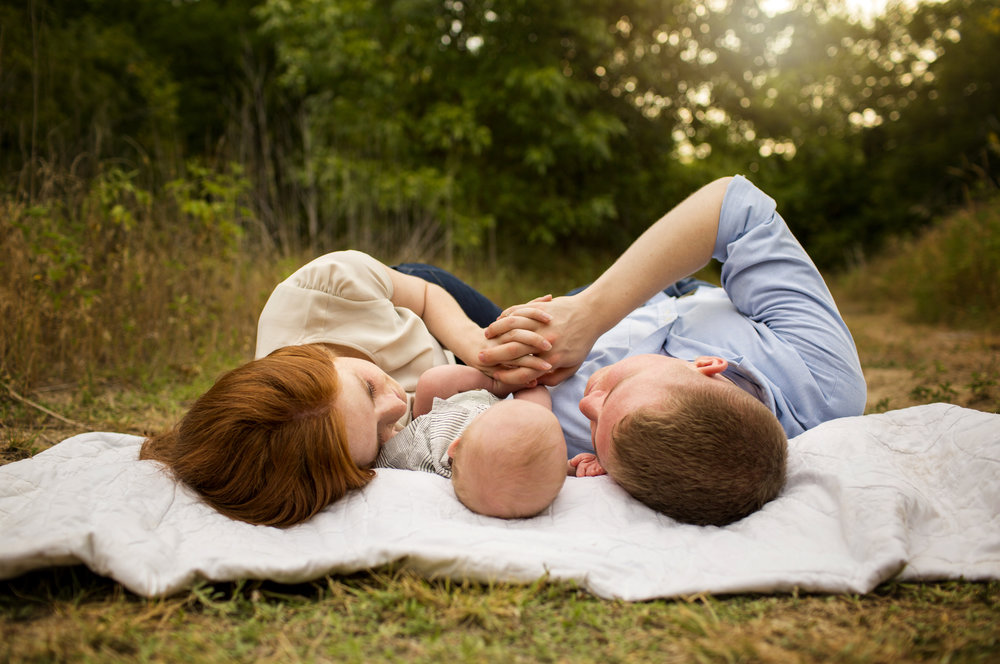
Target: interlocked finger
column 533, row 340
column 513, row 353
column 506, row 324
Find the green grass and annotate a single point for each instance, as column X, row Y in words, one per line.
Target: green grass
column 71, row 615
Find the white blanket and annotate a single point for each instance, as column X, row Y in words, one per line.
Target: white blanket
column 913, row 494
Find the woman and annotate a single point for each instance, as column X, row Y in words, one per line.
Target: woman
column 340, row 345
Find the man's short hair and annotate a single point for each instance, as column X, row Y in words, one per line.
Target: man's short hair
column 710, row 455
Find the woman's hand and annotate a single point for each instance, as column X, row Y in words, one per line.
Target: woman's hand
column 520, row 365
column 517, row 341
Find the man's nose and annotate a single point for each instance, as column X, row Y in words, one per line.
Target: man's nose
column 591, row 404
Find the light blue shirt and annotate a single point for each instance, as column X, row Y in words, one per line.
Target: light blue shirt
column 774, row 320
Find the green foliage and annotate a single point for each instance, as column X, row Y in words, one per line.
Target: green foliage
column 83, row 81
column 499, row 107
column 551, row 121
column 942, row 392
column 16, row 447
column 77, row 85
column 954, row 269
column 881, row 406
column 981, row 386
column 213, row 204
column 862, row 132
column 437, row 125
column 109, row 278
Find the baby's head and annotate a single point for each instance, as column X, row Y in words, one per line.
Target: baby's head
column 511, row 460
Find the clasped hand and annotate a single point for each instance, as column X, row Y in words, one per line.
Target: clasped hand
column 552, row 331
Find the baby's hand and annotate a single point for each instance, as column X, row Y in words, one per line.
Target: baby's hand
column 585, row 465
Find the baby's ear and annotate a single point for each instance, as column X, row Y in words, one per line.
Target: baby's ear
column 453, row 447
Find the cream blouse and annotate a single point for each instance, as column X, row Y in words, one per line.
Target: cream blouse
column 343, row 298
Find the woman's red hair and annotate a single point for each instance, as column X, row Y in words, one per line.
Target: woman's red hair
column 265, row 444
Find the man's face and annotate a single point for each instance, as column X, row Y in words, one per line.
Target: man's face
column 634, row 383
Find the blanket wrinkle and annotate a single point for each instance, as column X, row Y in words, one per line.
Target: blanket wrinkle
column 912, row 494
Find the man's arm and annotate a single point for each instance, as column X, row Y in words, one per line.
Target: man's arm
column 677, row 245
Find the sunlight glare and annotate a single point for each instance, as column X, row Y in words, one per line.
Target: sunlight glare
column 865, row 10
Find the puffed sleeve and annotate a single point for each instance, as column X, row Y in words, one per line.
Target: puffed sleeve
column 343, row 298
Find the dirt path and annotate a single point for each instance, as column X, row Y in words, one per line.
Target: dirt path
column 909, row 364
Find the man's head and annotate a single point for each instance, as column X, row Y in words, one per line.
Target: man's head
column 511, row 460
column 683, row 439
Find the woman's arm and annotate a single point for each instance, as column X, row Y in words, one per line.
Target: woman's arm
column 445, row 320
column 675, row 246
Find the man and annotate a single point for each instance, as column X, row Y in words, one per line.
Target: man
column 686, row 401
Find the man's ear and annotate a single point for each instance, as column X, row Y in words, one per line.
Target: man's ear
column 453, row 447
column 710, row 365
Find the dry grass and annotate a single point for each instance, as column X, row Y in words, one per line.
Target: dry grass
column 107, row 280
column 908, row 364
column 394, row 616
column 72, row 615
column 121, row 335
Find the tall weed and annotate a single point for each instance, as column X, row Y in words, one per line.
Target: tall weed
column 948, row 274
column 109, row 279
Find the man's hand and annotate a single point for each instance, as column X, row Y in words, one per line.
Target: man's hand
column 563, row 322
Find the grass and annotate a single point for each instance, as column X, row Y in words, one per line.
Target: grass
column 391, row 615
column 70, row 615
column 104, row 380
column 909, row 364
column 947, row 274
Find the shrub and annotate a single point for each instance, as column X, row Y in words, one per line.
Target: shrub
column 107, row 278
column 950, row 273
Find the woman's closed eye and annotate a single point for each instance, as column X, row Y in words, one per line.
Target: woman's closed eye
column 371, row 395
column 379, row 436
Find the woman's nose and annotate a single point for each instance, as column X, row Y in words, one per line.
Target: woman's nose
column 393, row 403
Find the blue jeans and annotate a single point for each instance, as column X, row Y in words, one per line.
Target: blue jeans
column 476, row 306
column 483, row 311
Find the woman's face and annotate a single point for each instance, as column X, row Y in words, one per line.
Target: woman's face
column 370, row 403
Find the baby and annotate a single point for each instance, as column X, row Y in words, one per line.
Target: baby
column 505, row 457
